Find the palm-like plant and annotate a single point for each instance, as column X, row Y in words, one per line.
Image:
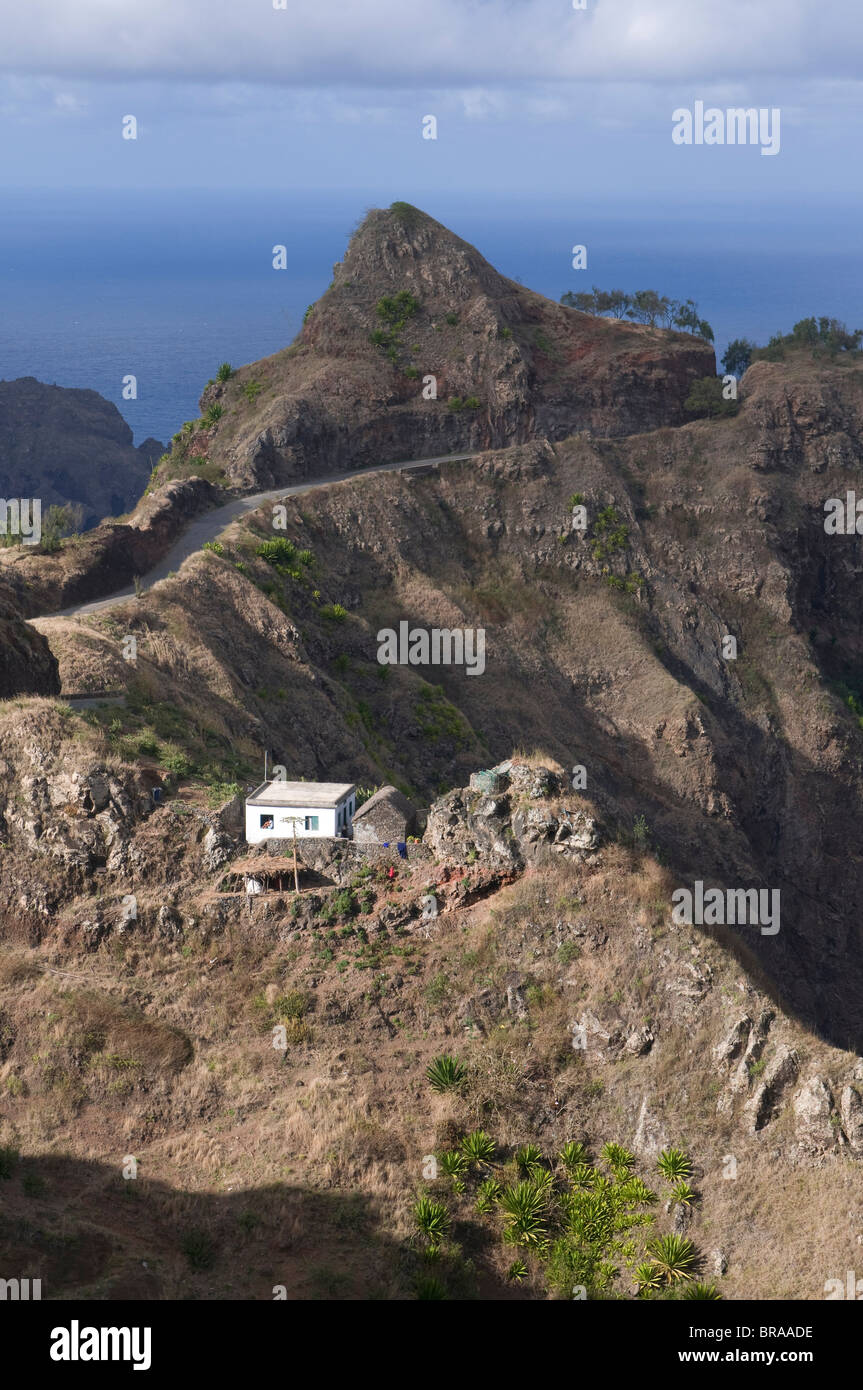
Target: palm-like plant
column 703, row 1291
column 446, row 1073
column 488, row 1196
column 517, row 1271
column 478, row 1147
column 583, row 1176
column 432, row 1220
column 427, row 1287
column 647, row 1277
column 635, row 1190
column 528, row 1158
column 572, row 1155
column 618, row 1159
column 674, row 1164
column 673, row 1257
column 455, row 1165
column 524, row 1211
column 682, row 1193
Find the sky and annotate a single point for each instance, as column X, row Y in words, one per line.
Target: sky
column 532, row 98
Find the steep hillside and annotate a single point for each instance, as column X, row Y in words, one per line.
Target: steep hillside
column 671, row 691
column 747, row 770
column 64, row 445
column 412, row 301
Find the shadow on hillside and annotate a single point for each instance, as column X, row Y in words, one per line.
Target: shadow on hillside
column 87, row 1233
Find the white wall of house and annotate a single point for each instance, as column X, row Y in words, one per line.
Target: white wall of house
column 313, row 822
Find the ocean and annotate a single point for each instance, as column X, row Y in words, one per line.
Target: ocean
column 166, row 286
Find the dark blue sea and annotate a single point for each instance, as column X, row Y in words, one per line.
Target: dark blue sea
column 96, row 286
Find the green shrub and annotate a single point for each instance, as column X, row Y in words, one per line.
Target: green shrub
column 524, row 1209
column 674, row 1165
column 455, row 1165
column 672, row 1257
column 8, row 1160
column 215, row 546
column 488, row 1196
column 334, row 612
column 214, row 412
column 706, row 399
column 177, row 762
column 198, row 1248
column 432, row 1220
column 608, row 535
column 478, row 1147
column 252, row 390
column 446, row 1073
column 225, row 372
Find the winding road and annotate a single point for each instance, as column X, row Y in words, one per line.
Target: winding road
column 211, row 524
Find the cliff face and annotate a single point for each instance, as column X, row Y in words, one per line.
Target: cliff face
column 65, row 445
column 28, row 666
column 605, row 648
column 508, row 366
column 105, row 559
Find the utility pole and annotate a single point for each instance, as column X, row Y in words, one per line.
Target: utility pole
column 293, row 820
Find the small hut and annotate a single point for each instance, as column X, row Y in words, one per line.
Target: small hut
column 386, row 818
column 267, row 873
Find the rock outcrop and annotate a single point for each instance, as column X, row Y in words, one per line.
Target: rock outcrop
column 28, row 666
column 62, row 445
column 531, row 818
column 415, row 310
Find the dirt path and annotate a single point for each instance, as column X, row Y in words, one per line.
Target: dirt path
column 207, row 527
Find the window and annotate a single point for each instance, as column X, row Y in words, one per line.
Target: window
column 266, row 822
column 311, row 822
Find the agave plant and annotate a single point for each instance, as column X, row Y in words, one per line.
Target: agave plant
column 543, row 1180
column 432, row 1220
column 528, row 1158
column 478, row 1147
column 524, row 1212
column 488, row 1196
column 455, row 1165
column 446, row 1073
column 647, row 1277
column 583, row 1176
column 673, row 1257
column 572, row 1155
column 635, row 1190
column 618, row 1159
column 705, row 1291
column 429, row 1287
column 517, row 1271
column 682, row 1193
column 674, row 1164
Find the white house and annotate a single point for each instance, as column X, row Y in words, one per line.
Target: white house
column 311, row 810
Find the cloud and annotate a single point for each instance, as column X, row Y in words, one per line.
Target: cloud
column 435, row 44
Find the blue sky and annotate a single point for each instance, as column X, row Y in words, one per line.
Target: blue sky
column 532, row 97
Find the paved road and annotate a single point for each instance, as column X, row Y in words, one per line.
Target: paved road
column 211, row 524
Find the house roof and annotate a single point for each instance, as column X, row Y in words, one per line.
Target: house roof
column 263, row 867
column 389, row 796
column 300, row 793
